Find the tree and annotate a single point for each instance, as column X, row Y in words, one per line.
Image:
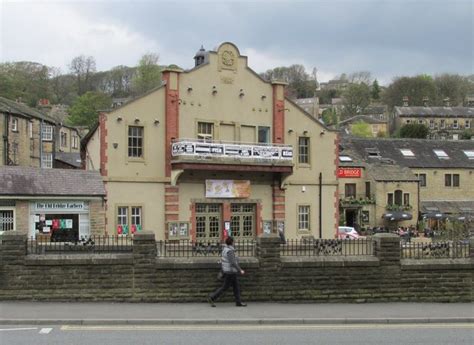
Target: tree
column 300, row 83
column 467, row 134
column 414, row 130
column 355, row 99
column 83, row 67
column 84, row 111
column 148, row 74
column 359, row 77
column 361, row 129
column 375, row 91
column 329, row 117
column 452, row 86
column 415, row 88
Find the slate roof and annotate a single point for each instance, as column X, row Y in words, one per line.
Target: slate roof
column 462, row 207
column 364, row 118
column 390, row 172
column 71, row 158
column 434, row 111
column 28, row 181
column 424, row 156
column 9, row 106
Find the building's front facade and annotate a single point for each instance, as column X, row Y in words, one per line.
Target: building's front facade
column 439, row 183
column 378, row 127
column 216, row 149
column 447, row 123
column 31, row 138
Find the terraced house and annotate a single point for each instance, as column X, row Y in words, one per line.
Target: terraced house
column 425, row 179
column 216, row 150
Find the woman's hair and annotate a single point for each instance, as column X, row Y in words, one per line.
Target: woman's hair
column 229, row 241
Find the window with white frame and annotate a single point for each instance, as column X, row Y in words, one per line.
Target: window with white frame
column 441, row 154
column 47, row 160
column 47, row 132
column 432, row 124
column 122, row 215
column 75, row 141
column 303, row 150
column 469, row 154
column 136, row 217
column 205, row 130
column 14, row 124
column 129, row 219
column 135, row 142
column 442, row 124
column 303, row 217
column 455, row 124
column 7, row 219
column 63, row 139
column 467, row 123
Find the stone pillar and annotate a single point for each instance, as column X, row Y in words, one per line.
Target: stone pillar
column 13, row 248
column 387, row 249
column 278, row 112
column 144, row 266
column 268, row 252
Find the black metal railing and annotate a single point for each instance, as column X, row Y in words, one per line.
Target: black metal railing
column 89, row 244
column 435, row 250
column 187, row 248
column 327, row 247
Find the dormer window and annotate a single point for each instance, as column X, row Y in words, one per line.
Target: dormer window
column 441, row 154
column 407, row 153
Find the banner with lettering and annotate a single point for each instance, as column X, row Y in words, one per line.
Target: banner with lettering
column 227, row 188
column 349, row 172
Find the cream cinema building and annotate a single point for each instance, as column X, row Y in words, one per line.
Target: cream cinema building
column 214, row 150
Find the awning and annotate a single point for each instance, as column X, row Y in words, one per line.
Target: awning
column 435, row 215
column 397, row 216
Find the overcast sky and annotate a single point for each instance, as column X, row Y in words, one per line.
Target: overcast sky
column 388, row 38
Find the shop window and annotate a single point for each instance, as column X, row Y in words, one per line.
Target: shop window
column 63, row 139
column 7, row 219
column 303, row 217
column 350, row 190
column 47, row 132
column 135, row 142
column 205, row 131
column 264, row 135
column 14, row 124
column 47, row 160
column 303, row 150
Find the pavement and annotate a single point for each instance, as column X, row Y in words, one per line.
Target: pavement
column 99, row 313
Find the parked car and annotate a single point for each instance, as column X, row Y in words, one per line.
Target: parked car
column 347, row 232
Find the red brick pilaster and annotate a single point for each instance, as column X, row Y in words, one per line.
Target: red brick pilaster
column 259, row 220
column 278, row 112
column 103, row 143
column 171, row 205
column 278, row 204
column 192, row 221
column 171, row 77
column 226, row 215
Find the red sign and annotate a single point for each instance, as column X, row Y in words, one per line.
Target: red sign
column 349, row 172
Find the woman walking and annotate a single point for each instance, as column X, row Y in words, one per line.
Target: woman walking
column 231, row 270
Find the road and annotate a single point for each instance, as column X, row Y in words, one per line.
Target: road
column 367, row 334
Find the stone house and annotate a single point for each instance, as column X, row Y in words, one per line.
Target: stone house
column 31, row 138
column 216, row 150
column 378, row 127
column 443, row 122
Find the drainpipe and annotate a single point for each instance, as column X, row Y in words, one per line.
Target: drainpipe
column 41, row 143
column 320, row 205
column 5, row 138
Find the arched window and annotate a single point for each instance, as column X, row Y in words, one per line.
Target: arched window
column 398, row 197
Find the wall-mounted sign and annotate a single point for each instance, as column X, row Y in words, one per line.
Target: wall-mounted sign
column 258, row 152
column 227, row 188
column 60, row 206
column 349, row 172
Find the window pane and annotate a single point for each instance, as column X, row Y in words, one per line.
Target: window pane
column 422, row 180
column 303, row 150
column 6, row 220
column 406, row 199
column 263, row 134
column 447, row 180
column 122, row 216
column 136, row 215
column 455, row 180
column 350, row 190
column 303, row 217
column 135, row 141
column 390, row 199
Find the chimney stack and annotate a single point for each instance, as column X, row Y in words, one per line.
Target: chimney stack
column 446, row 102
column 425, row 101
column 405, row 101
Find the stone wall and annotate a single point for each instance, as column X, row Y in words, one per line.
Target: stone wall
column 142, row 276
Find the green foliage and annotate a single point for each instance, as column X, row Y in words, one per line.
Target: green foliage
column 414, row 130
column 375, row 90
column 381, row 134
column 355, row 99
column 329, row 117
column 326, row 95
column 361, row 129
column 84, row 111
column 148, row 74
column 300, row 83
column 415, row 88
column 467, row 134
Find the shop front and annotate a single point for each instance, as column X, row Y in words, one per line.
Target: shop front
column 59, row 220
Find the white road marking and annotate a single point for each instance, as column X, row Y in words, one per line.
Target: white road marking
column 45, row 330
column 16, row 329
column 194, row 328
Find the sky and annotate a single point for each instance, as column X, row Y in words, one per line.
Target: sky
column 389, row 38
